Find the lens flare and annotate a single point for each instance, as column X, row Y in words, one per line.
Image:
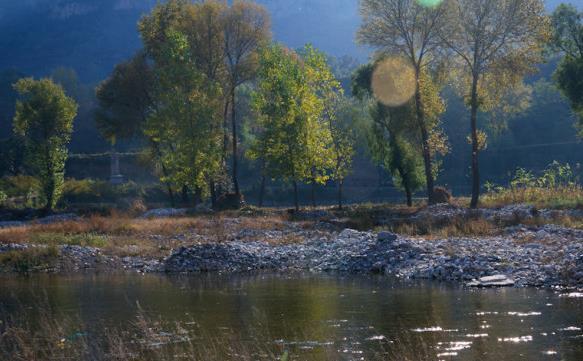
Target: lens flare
column 429, row 3
column 393, row 81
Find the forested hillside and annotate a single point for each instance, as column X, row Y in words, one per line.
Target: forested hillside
column 91, row 36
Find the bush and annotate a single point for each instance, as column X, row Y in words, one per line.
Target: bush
column 83, row 239
column 31, row 259
column 22, row 191
column 441, row 195
column 556, row 187
column 99, row 191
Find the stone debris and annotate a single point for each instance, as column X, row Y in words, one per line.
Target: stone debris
column 165, row 213
column 66, row 217
column 491, row 261
column 56, row 218
column 11, row 224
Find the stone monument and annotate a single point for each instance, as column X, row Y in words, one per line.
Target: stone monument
column 115, row 177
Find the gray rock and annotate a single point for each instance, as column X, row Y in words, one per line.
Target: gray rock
column 492, row 281
column 385, row 236
column 10, row 224
column 57, row 218
column 165, row 213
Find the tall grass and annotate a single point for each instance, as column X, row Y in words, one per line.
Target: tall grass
column 556, row 187
column 46, row 337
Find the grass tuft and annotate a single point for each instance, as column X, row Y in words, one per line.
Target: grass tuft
column 29, row 260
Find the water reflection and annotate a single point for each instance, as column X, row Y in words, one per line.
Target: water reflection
column 314, row 316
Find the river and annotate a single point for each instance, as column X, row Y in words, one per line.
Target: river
column 319, row 317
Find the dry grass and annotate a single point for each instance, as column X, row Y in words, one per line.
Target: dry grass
column 453, row 227
column 542, row 197
column 122, row 235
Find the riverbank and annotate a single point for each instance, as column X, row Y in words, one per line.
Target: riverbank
column 529, row 247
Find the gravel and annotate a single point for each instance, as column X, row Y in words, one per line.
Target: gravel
column 545, row 256
column 44, row 220
column 553, row 256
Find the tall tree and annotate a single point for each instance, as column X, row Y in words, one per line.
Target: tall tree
column 392, row 135
column 496, row 43
column 44, row 118
column 567, row 40
column 341, row 121
column 246, row 29
column 125, row 100
column 325, row 141
column 410, row 29
column 333, row 151
column 205, row 28
column 186, row 121
column 289, row 118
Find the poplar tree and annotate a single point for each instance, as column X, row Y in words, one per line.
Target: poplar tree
column 409, row 29
column 496, row 43
column 44, row 119
column 292, row 138
column 567, row 40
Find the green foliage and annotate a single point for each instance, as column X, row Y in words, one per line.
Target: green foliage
column 124, row 99
column 186, row 124
column 282, row 103
column 303, row 121
column 330, row 136
column 567, row 24
column 98, row 191
column 555, row 175
column 12, row 150
column 19, row 186
column 390, row 140
column 44, row 118
column 567, row 39
column 3, row 198
column 393, row 134
column 58, row 239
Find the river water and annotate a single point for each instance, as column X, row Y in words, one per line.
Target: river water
column 322, row 317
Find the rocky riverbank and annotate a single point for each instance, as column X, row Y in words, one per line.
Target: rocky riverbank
column 538, row 255
column 528, row 256
column 544, row 256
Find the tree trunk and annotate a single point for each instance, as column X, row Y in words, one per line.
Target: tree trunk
column 296, row 201
column 50, row 193
column 49, row 182
column 219, row 187
column 164, row 172
column 314, row 194
column 405, row 180
column 409, row 195
column 234, row 132
column 171, row 195
column 340, row 184
column 262, row 190
column 197, row 196
column 424, row 142
column 475, row 145
column 213, row 188
column 185, row 195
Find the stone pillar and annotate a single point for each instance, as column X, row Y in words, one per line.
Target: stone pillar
column 115, row 176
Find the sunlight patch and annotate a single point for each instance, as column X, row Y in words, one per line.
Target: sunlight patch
column 393, row 81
